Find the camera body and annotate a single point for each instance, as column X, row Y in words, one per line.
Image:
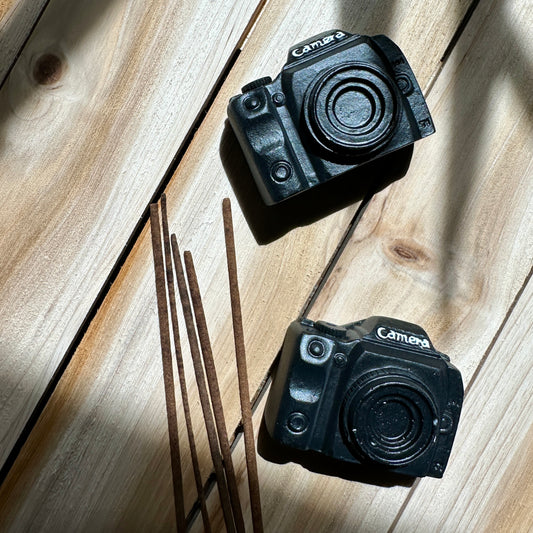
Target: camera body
column 374, row 393
column 340, row 101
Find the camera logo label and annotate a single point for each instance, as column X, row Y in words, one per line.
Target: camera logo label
column 390, row 334
column 315, row 45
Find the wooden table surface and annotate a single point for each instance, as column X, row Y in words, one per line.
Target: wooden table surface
column 104, row 105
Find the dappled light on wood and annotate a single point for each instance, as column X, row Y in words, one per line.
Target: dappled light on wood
column 106, row 105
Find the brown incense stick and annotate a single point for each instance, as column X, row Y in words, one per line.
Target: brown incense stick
column 202, row 389
column 214, row 390
column 240, row 353
column 181, row 369
column 168, row 377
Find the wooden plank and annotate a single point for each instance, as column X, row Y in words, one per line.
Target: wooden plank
column 489, row 486
column 17, row 18
column 449, row 247
column 92, row 115
column 103, row 436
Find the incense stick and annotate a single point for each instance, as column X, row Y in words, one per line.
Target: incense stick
column 181, row 369
column 168, row 377
column 202, row 389
column 214, row 390
column 240, row 353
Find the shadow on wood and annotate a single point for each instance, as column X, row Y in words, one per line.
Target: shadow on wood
column 477, row 95
column 269, row 223
column 315, row 462
column 350, row 19
column 17, row 20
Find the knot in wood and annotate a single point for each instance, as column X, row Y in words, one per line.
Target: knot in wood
column 405, row 253
column 408, row 252
column 47, row 69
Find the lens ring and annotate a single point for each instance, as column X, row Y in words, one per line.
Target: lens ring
column 388, row 417
column 363, row 99
column 351, row 109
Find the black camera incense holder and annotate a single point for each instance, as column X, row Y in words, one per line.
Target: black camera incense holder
column 373, row 395
column 340, row 101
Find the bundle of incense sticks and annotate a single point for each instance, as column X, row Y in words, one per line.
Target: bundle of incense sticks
column 166, row 256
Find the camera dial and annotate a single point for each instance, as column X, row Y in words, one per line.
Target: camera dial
column 388, row 417
column 351, row 109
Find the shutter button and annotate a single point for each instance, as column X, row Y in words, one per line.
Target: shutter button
column 330, row 329
column 256, row 83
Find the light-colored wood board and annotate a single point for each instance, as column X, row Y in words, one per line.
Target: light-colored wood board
column 126, row 326
column 489, row 485
column 448, row 248
column 103, row 436
column 91, row 117
column 17, row 18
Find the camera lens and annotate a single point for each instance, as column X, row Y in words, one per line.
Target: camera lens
column 351, row 109
column 388, row 417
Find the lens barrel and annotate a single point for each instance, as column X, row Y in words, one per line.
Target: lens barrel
column 351, row 109
column 388, row 417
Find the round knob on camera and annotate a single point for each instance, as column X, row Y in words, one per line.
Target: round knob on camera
column 256, row 83
column 316, row 348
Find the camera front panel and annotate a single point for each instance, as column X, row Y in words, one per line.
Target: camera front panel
column 298, row 408
column 392, row 408
column 270, row 143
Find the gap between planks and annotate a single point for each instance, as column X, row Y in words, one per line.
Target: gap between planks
column 126, row 250
column 5, row 70
column 470, row 384
column 321, row 282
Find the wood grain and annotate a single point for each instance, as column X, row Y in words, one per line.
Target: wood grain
column 449, row 248
column 489, row 485
column 17, row 18
column 102, row 437
column 91, row 117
